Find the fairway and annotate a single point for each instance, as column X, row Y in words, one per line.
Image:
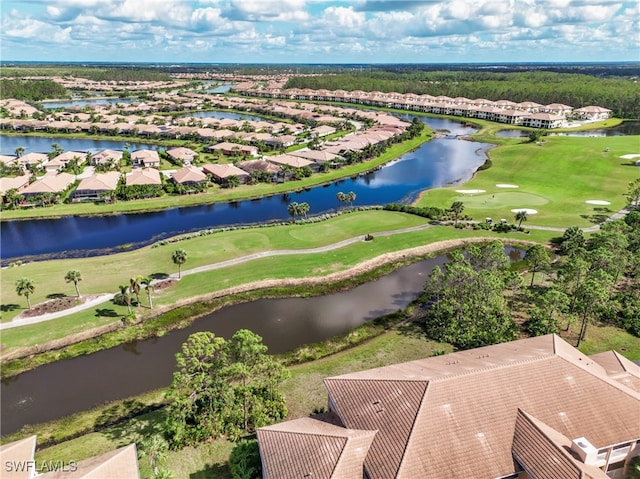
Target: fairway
column 558, row 179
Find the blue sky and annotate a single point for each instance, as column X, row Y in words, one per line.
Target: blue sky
column 318, row 31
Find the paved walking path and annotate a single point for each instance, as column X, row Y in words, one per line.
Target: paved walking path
column 264, row 254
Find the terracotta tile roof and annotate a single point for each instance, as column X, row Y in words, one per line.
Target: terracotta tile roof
column 18, row 452
column 144, row 176
column 289, row 160
column 18, row 182
column 545, row 453
column 189, row 174
column 619, row 368
column 313, row 448
column 454, row 415
column 118, row 464
column 100, row 182
column 224, row 171
column 319, row 156
column 49, row 184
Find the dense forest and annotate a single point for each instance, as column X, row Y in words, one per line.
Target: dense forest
column 130, row 73
column 31, row 90
column 620, row 95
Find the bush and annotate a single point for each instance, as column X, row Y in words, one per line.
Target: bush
column 244, row 461
column 486, row 165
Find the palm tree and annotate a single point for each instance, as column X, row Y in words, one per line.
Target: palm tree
column 135, row 287
column 521, row 216
column 25, row 287
column 457, row 207
column 293, row 209
column 179, row 257
column 350, row 198
column 303, row 209
column 19, row 151
column 341, row 197
column 148, row 288
column 74, row 277
column 124, row 294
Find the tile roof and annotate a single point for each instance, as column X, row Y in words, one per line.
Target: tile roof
column 313, row 448
column 49, row 184
column 619, row 368
column 121, row 463
column 224, row 171
column 144, row 176
column 189, row 174
column 546, row 454
column 100, row 182
column 454, row 415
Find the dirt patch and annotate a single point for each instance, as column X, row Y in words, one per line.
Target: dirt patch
column 164, row 284
column 55, row 305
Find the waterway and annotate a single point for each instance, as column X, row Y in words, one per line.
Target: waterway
column 64, row 387
column 442, row 161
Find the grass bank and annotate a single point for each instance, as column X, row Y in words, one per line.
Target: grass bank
column 555, row 178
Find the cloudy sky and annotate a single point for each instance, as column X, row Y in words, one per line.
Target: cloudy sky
column 319, row 31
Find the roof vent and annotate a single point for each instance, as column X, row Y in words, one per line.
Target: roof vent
column 585, row 450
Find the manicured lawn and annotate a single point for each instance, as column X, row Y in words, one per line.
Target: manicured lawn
column 556, row 179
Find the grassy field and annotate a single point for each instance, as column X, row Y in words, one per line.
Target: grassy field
column 117, row 269
column 555, row 179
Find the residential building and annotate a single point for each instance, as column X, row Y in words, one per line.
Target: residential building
column 97, row 186
column 189, row 175
column 182, row 155
column 144, row 176
column 220, row 173
column 106, row 156
column 50, row 183
column 145, row 158
column 536, row 408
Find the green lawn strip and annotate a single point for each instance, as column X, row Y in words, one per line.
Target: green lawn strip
column 556, row 179
column 103, row 274
column 605, row 338
column 218, row 194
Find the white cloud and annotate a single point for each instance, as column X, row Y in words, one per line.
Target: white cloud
column 343, row 17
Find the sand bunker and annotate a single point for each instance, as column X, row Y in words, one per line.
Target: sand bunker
column 598, row 202
column 630, row 156
column 470, row 191
column 529, row 211
column 506, row 185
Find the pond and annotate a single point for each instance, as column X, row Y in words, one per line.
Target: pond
column 222, row 114
column 64, row 387
column 41, row 144
column 52, row 105
column 440, row 162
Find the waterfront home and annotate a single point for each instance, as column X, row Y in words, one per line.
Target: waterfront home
column 592, row 112
column 49, row 184
column 543, row 120
column 144, row 176
column 221, row 173
column 317, row 156
column 558, row 109
column 261, row 167
column 184, row 156
column 533, row 408
column 8, row 160
column 291, row 161
column 18, row 183
column 145, row 158
column 106, row 156
column 97, row 186
column 32, row 160
column 279, row 142
column 18, row 107
column 59, row 162
column 189, row 176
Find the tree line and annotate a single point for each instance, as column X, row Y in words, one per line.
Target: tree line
column 621, row 95
column 32, row 90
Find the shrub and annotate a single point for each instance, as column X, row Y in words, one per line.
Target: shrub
column 244, row 461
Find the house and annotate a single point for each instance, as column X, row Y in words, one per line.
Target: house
column 189, row 175
column 32, row 159
column 317, row 156
column 106, row 156
column 261, row 167
column 536, row 408
column 49, row 184
column 18, row 462
column 543, row 120
column 291, row 161
column 279, row 142
column 220, row 173
column 17, row 183
column 8, row 160
column 182, row 155
column 592, row 112
column 97, row 186
column 144, row 176
column 146, row 158
column 323, row 130
column 59, row 162
column 231, row 149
